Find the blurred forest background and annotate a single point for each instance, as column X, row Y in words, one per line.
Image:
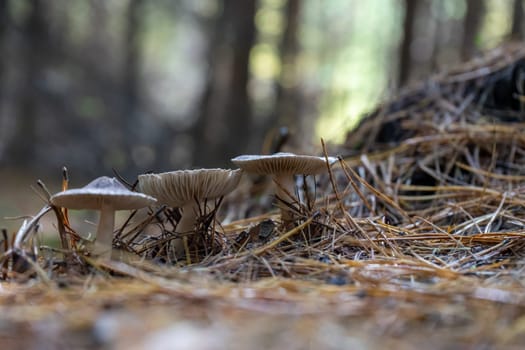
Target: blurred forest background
column 138, row 85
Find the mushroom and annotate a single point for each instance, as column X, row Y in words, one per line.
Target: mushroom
column 107, row 195
column 283, row 166
column 185, row 189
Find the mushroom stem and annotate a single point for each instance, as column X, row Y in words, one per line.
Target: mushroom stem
column 285, row 191
column 186, row 225
column 190, row 212
column 104, row 238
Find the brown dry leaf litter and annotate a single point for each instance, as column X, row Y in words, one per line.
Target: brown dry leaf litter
column 416, row 238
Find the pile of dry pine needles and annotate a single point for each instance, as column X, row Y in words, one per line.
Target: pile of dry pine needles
column 423, row 218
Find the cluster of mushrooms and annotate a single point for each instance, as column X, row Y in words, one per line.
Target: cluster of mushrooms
column 184, row 189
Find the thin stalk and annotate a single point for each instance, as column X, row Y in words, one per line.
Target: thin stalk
column 189, row 216
column 104, row 238
column 187, row 225
column 285, row 190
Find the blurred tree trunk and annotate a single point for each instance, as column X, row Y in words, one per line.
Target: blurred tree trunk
column 224, row 125
column 4, row 18
column 517, row 20
column 471, row 27
column 22, row 146
column 287, row 106
column 129, row 119
column 238, row 112
column 405, row 61
column 215, row 55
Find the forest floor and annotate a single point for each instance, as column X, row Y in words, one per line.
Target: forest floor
column 390, row 285
column 131, row 314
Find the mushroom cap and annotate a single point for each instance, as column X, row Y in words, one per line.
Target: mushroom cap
column 178, row 188
column 283, row 163
column 102, row 190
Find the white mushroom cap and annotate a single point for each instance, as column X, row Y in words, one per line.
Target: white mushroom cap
column 103, row 189
column 283, row 167
column 282, row 163
column 107, row 195
column 178, row 188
